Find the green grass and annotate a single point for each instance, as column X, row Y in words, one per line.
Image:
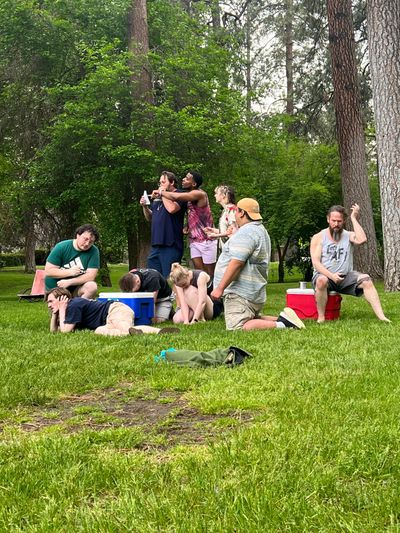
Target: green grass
column 317, row 448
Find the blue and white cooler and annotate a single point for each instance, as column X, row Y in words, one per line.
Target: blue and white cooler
column 142, row 304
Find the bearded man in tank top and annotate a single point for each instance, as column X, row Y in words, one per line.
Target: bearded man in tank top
column 332, row 258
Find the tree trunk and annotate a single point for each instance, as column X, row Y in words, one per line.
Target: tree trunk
column 281, row 267
column 289, row 57
column 216, row 15
column 104, row 272
column 138, row 46
column 142, row 96
column 30, row 241
column 138, row 246
column 384, row 52
column 349, row 129
column 248, row 25
column 281, row 261
column 187, row 6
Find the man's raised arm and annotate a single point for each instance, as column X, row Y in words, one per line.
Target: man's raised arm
column 357, row 236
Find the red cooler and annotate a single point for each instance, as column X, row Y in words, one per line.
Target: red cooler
column 303, row 302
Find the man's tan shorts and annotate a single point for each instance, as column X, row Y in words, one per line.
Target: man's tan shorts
column 120, row 316
column 162, row 309
column 238, row 311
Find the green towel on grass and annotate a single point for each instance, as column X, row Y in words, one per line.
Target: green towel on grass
column 219, row 356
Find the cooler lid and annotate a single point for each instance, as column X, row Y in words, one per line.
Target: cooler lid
column 300, row 291
column 306, row 291
column 126, row 295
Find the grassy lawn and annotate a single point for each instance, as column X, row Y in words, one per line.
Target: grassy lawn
column 95, row 436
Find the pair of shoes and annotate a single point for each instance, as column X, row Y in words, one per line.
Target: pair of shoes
column 134, row 331
column 164, row 331
column 290, row 319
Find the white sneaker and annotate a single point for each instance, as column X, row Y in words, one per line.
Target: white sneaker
column 289, row 318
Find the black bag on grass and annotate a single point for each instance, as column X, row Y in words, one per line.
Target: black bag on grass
column 219, row 356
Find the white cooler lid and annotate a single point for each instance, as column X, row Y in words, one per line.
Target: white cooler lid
column 126, row 295
column 300, row 291
column 306, row 291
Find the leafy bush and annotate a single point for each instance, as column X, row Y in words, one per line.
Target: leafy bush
column 114, row 255
column 300, row 258
column 12, row 259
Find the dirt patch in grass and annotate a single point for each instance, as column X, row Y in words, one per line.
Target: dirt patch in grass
column 164, row 418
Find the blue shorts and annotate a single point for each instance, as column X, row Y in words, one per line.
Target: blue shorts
column 162, row 257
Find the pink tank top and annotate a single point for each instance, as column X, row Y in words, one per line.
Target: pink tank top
column 198, row 219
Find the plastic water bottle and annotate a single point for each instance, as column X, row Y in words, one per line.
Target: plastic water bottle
column 146, row 197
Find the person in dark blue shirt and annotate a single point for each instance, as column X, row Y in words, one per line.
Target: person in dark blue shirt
column 167, row 219
column 104, row 318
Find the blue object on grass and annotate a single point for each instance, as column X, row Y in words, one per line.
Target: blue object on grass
column 163, row 354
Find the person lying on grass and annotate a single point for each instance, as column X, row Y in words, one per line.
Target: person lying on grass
column 104, row 318
column 192, row 289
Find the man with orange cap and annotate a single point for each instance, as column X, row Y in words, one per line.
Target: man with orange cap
column 241, row 274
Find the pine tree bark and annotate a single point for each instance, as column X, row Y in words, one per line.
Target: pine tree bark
column 384, row 52
column 216, row 15
column 142, row 95
column 350, row 131
column 138, row 46
column 289, row 57
column 248, row 25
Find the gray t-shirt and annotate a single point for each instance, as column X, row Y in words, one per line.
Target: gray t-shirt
column 337, row 256
column 250, row 244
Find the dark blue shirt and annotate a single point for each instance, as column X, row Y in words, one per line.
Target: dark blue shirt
column 167, row 228
column 87, row 314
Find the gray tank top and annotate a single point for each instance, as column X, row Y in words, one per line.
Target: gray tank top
column 337, row 256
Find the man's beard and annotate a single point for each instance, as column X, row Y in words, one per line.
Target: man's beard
column 336, row 234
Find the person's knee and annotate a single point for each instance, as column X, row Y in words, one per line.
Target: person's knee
column 89, row 288
column 321, row 282
column 178, row 318
column 366, row 283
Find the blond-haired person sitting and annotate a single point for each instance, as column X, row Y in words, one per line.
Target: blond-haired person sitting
column 192, row 289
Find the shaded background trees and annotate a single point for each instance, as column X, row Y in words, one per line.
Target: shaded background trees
column 97, row 97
